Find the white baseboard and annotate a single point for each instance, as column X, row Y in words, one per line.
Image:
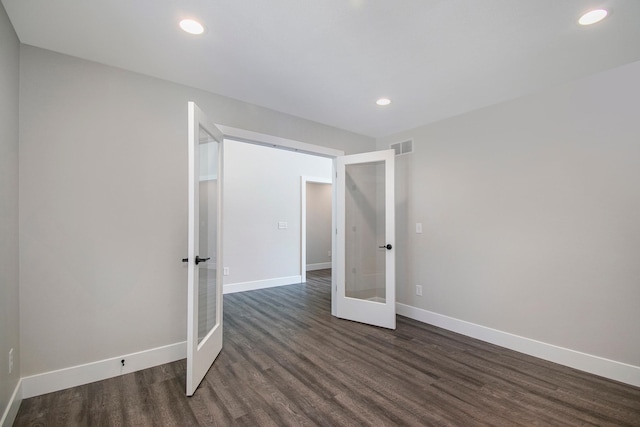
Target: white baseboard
column 11, row 410
column 48, row 382
column 318, row 266
column 261, row 284
column 607, row 368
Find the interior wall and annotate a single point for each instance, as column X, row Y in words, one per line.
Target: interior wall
column 103, row 204
column 530, row 215
column 9, row 291
column 318, row 222
column 261, row 189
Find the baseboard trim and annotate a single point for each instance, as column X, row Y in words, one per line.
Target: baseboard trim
column 318, row 266
column 10, row 412
column 261, row 284
column 607, row 368
column 48, row 382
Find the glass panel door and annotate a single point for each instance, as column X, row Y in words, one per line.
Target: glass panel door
column 366, row 233
column 204, row 311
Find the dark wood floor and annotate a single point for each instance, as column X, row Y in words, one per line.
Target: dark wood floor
column 286, row 361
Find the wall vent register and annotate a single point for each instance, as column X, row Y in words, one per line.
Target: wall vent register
column 404, row 147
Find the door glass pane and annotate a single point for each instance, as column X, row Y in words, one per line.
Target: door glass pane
column 208, row 234
column 365, row 261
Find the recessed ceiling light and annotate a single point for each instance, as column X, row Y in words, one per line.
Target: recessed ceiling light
column 192, row 27
column 383, row 101
column 592, row 17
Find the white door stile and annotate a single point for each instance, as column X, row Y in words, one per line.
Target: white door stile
column 204, row 278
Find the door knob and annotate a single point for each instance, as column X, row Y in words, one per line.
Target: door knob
column 386, row 247
column 198, row 260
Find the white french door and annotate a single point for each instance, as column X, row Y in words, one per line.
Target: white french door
column 204, row 313
column 365, row 289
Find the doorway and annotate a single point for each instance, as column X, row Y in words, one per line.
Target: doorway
column 316, row 216
column 345, row 305
column 264, row 227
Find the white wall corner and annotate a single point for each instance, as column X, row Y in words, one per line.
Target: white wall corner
column 48, row 382
column 232, row 288
column 607, row 368
column 11, row 410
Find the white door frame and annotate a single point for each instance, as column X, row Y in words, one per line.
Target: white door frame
column 303, row 220
column 266, row 140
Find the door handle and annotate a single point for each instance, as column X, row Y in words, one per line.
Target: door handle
column 388, row 247
column 198, row 259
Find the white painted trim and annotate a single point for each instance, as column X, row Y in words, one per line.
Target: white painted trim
column 48, row 382
column 334, row 240
column 232, row 288
column 277, row 142
column 318, row 266
column 607, row 368
column 13, row 405
column 303, row 221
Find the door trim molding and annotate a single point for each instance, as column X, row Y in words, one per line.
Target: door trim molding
column 266, row 140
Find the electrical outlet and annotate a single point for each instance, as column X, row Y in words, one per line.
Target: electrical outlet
column 225, row 271
column 329, row 254
column 10, row 360
column 418, row 227
column 419, row 290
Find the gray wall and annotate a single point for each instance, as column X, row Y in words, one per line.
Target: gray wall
column 531, row 215
column 9, row 317
column 103, row 195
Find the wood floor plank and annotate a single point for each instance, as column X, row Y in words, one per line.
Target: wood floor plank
column 287, row 362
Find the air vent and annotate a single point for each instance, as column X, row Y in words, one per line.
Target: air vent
column 404, row 147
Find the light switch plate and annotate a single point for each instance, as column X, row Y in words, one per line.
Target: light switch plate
column 418, row 227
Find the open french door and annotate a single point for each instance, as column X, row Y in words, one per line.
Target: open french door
column 204, row 313
column 365, row 288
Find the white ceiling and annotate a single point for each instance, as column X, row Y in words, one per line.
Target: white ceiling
column 329, row 60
